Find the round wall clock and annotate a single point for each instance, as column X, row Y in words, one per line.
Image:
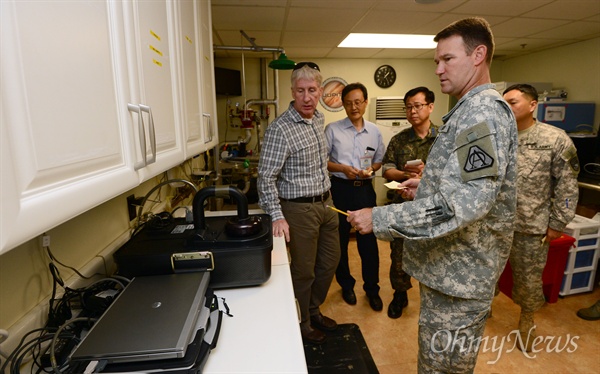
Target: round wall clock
column 385, row 76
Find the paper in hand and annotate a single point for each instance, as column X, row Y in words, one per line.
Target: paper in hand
column 393, row 185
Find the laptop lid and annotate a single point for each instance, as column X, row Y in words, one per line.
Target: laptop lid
column 153, row 318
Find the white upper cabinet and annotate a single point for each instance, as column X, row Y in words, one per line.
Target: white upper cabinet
column 189, row 43
column 209, row 109
column 155, row 120
column 63, row 148
column 96, row 97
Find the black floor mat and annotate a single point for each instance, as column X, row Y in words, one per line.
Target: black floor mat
column 344, row 351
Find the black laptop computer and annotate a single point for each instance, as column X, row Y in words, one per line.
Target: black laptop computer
column 154, row 318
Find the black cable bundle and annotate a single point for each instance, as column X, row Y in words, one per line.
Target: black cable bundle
column 50, row 346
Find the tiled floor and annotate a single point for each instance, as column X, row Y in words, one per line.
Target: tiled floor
column 572, row 345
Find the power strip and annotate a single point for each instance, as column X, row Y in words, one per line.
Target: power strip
column 37, row 317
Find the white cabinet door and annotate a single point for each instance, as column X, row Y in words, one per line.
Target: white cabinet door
column 155, row 120
column 209, row 109
column 190, row 44
column 63, row 150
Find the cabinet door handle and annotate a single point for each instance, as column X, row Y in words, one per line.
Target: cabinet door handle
column 141, row 134
column 207, row 128
column 151, row 133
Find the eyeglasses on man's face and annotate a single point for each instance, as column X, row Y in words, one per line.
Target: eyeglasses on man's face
column 311, row 65
column 417, row 107
column 352, row 104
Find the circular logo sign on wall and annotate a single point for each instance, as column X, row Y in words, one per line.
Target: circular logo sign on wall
column 332, row 94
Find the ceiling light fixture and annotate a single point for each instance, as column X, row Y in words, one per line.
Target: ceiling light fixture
column 402, row 41
column 282, row 63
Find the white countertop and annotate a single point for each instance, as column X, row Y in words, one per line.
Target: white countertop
column 263, row 336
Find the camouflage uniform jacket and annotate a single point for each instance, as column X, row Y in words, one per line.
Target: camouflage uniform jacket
column 461, row 223
column 406, row 146
column 547, row 180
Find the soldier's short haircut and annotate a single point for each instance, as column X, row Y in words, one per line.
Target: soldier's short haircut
column 474, row 31
column 527, row 90
column 429, row 95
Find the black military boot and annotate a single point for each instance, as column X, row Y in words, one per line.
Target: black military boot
column 399, row 302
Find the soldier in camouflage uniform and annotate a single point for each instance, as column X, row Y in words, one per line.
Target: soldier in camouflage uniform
column 547, row 197
column 412, row 143
column 459, row 227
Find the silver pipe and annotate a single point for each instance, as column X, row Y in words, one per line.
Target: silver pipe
column 276, row 88
column 245, row 114
column 216, row 156
column 247, row 48
column 247, row 139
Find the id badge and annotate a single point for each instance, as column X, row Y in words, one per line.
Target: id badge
column 366, row 162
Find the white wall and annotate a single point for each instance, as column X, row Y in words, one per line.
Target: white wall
column 574, row 68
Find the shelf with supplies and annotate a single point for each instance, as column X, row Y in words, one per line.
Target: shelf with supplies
column 582, row 262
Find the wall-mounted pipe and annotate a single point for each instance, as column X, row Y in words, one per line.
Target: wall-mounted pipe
column 216, row 155
column 252, row 49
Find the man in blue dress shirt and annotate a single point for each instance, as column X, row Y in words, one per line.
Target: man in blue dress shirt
column 355, row 149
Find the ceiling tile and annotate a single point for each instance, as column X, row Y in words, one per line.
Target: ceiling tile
column 393, row 22
column 567, row 9
column 301, row 19
column 261, row 38
column 333, row 4
column 247, row 18
column 312, row 38
column 410, row 6
column 571, row 31
column 516, row 27
column 499, row 7
column 295, row 52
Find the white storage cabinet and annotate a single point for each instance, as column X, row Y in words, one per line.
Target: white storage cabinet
column 92, row 104
column 581, row 265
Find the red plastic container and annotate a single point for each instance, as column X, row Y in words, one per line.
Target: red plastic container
column 554, row 271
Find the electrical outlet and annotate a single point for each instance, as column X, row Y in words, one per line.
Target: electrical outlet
column 45, row 240
column 132, row 206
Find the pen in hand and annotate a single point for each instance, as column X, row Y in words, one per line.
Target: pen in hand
column 337, row 210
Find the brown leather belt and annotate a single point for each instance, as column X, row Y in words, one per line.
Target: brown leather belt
column 355, row 183
column 313, row 199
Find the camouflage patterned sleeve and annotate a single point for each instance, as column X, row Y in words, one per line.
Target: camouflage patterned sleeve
column 389, row 158
column 470, row 175
column 565, row 168
column 454, row 206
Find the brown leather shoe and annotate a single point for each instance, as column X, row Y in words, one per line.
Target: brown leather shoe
column 323, row 323
column 349, row 296
column 375, row 302
column 312, row 336
column 399, row 302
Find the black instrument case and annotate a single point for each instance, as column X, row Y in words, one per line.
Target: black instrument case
column 236, row 249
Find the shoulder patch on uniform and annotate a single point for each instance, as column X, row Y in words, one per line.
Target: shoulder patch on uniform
column 477, row 159
column 476, row 152
column 574, row 163
column 570, row 155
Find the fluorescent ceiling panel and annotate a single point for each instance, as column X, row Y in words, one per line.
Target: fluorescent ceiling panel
column 403, row 41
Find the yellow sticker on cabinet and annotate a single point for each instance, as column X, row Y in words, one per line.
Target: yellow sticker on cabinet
column 188, row 39
column 157, row 62
column 154, row 35
column 155, row 50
